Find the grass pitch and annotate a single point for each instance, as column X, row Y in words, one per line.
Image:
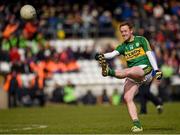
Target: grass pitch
column 63, row 119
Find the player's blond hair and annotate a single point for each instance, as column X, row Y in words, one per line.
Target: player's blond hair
column 126, row 23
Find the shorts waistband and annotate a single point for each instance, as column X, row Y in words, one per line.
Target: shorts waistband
column 147, row 70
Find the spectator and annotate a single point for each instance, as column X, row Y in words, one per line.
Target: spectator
column 69, row 95
column 14, row 55
column 89, row 98
column 57, row 95
column 115, row 98
column 12, row 85
column 10, row 29
column 37, row 90
column 104, row 98
column 165, row 85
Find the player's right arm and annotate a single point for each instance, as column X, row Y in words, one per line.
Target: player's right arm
column 111, row 55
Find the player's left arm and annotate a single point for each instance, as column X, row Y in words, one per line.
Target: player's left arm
column 151, row 57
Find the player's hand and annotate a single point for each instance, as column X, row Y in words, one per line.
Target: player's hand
column 158, row 74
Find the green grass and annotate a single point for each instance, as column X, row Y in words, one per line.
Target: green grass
column 87, row 120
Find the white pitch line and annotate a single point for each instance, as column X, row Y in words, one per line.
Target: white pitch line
column 25, row 128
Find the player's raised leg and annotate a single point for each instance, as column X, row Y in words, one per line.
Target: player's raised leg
column 136, row 73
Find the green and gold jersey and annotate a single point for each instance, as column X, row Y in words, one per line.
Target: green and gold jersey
column 135, row 51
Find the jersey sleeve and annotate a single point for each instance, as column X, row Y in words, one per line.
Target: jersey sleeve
column 120, row 49
column 145, row 44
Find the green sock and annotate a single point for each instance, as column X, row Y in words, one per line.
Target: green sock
column 111, row 72
column 137, row 123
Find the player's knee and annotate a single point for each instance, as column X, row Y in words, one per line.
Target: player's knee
column 128, row 98
column 128, row 73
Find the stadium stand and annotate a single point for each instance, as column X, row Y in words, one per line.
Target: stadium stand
column 65, row 37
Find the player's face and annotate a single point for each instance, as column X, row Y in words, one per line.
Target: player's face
column 126, row 32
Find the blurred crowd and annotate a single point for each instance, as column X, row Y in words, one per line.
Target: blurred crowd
column 157, row 20
column 66, row 95
column 25, row 44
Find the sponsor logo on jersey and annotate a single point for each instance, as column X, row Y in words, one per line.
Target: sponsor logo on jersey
column 129, row 55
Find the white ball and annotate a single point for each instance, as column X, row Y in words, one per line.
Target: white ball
column 28, row 12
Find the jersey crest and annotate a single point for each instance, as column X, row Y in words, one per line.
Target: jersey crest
column 137, row 44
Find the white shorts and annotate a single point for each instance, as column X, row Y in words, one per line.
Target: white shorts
column 147, row 78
